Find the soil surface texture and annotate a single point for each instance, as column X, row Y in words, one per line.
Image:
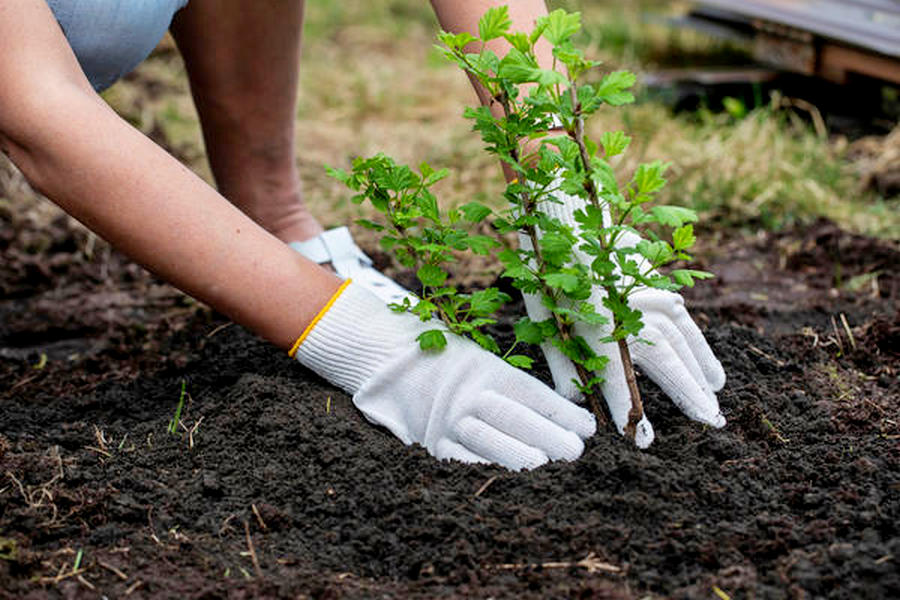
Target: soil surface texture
column 274, row 486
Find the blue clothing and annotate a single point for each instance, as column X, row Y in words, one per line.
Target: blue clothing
column 111, row 37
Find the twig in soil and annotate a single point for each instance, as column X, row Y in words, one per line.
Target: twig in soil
column 589, row 563
column 218, row 329
column 60, row 577
column 259, row 518
column 24, row 381
column 252, row 551
column 849, row 332
column 485, row 486
column 133, row 587
column 98, row 451
column 117, row 572
column 85, row 582
column 757, row 351
column 884, row 559
column 226, row 524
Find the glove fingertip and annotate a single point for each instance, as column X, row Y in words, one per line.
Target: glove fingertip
column 644, row 434
column 715, row 376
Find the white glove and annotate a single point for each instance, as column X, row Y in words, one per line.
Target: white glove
column 461, row 402
column 679, row 360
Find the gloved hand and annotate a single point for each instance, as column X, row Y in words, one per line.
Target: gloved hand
column 679, row 360
column 461, row 402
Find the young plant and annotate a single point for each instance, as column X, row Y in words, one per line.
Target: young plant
column 424, row 239
column 611, row 243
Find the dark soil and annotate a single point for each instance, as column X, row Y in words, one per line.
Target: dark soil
column 283, row 490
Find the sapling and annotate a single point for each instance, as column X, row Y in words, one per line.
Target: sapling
column 611, row 242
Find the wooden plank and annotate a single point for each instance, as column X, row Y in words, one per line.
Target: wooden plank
column 870, row 24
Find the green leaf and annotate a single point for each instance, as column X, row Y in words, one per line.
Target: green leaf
column 433, row 339
column 494, row 23
column 520, row 361
column 482, row 244
column 519, row 41
column 518, row 67
column 687, row 276
column 475, row 212
column 487, row 301
column 485, row 341
column 672, row 216
column 555, row 248
column 683, row 238
column 424, row 309
column 531, row 332
column 613, row 88
column 456, row 41
column 614, row 142
column 559, row 26
column 655, row 252
column 370, row 224
column 649, row 177
column 596, row 363
column 431, row 275
column 567, row 282
column 430, row 176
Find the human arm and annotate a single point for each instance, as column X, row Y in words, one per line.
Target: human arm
column 102, row 171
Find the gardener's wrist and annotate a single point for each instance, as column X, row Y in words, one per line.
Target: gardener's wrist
column 353, row 335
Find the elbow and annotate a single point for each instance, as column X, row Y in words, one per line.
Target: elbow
column 36, row 126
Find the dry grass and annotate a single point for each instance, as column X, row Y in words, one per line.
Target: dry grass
column 371, row 82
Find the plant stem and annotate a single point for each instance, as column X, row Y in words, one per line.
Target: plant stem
column 636, row 413
column 637, row 406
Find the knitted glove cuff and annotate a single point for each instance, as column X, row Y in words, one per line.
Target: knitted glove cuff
column 353, row 336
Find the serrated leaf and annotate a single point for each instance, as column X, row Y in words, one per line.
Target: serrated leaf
column 596, row 363
column 567, row 282
column 683, row 237
column 559, row 26
column 687, row 276
column 475, row 212
column 485, row 341
column 555, row 248
column 673, row 216
column 432, row 340
column 648, row 178
column 487, row 301
column 613, row 89
column 519, row 41
column 528, row 331
column 456, row 41
column 431, row 275
column 614, row 142
column 520, row 361
column 430, row 176
column 494, row 23
column 482, row 244
column 518, row 67
column 655, row 252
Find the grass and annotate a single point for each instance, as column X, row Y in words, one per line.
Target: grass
column 370, row 82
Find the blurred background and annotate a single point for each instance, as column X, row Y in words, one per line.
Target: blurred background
column 752, row 147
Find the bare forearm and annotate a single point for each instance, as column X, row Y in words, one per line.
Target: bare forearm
column 125, row 188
